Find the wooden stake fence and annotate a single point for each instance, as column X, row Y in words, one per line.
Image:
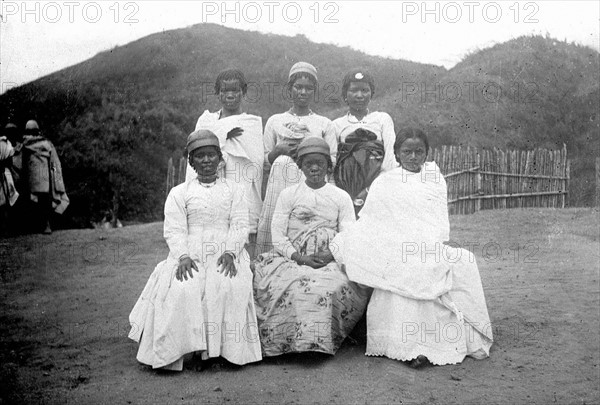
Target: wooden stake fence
column 486, row 178
column 497, row 179
column 175, row 174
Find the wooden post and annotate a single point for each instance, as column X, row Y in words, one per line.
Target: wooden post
column 479, row 183
column 568, row 176
column 169, row 175
column 563, row 173
column 598, row 182
column 182, row 170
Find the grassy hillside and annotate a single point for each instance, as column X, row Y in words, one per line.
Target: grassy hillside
column 526, row 93
column 117, row 117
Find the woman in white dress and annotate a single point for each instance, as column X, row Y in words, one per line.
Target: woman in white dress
column 200, row 299
column 428, row 304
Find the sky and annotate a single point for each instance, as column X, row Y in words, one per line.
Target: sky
column 38, row 38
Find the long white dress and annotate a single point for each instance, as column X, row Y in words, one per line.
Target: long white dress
column 209, row 312
column 428, row 298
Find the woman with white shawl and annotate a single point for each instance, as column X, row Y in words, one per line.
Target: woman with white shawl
column 428, row 304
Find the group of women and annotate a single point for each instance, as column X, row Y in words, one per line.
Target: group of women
column 248, row 277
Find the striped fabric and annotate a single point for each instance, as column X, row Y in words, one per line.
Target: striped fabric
column 284, row 173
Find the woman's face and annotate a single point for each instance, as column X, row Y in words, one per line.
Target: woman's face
column 358, row 96
column 303, row 91
column 412, row 154
column 314, row 166
column 205, row 160
column 230, row 94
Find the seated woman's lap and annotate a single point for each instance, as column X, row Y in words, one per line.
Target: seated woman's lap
column 206, row 279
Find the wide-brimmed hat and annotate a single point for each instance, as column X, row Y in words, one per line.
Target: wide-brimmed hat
column 200, row 138
column 313, row 145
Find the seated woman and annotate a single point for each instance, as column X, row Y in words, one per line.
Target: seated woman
column 304, row 300
column 200, row 298
column 428, row 303
column 365, row 138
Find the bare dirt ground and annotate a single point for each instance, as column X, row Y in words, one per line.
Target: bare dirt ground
column 65, row 299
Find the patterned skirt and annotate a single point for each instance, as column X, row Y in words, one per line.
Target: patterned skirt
column 303, row 309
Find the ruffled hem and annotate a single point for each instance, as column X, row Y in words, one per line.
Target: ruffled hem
column 434, row 356
column 173, row 319
column 438, row 361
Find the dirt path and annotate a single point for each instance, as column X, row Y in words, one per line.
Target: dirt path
column 65, row 299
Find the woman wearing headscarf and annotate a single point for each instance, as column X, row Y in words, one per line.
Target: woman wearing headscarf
column 41, row 176
column 200, row 298
column 366, row 138
column 428, row 304
column 305, row 301
column 283, row 133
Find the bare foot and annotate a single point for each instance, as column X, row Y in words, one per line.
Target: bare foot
column 420, row 362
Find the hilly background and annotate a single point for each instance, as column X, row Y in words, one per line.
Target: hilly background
column 116, row 118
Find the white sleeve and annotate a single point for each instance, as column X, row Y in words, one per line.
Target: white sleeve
column 330, row 136
column 346, row 215
column 175, row 226
column 269, row 139
column 389, row 138
column 238, row 221
column 279, row 225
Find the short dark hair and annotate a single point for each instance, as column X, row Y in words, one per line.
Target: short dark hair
column 411, row 133
column 231, row 74
column 350, row 77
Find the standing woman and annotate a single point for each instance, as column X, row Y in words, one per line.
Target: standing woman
column 283, row 133
column 240, row 136
column 366, row 138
